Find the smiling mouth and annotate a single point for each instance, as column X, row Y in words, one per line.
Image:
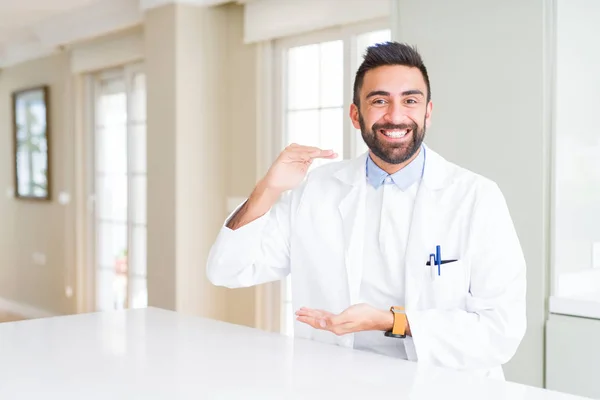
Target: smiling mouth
column 395, row 133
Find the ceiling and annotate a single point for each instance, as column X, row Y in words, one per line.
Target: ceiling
column 34, row 28
column 21, row 14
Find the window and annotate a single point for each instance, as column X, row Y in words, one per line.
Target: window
column 316, row 75
column 118, row 188
column 314, row 98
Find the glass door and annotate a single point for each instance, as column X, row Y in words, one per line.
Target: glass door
column 118, row 189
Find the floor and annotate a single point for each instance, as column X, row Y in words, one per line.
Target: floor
column 8, row 317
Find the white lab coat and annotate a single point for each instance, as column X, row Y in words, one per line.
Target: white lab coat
column 472, row 317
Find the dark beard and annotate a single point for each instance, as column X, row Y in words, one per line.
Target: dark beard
column 387, row 152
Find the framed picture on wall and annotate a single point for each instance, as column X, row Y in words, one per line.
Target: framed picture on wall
column 31, row 143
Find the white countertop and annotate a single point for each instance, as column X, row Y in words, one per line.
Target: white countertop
column 577, row 294
column 586, row 305
column 157, row 354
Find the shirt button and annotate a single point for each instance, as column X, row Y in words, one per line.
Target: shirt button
column 388, row 180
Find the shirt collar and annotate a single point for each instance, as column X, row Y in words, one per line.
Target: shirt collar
column 403, row 179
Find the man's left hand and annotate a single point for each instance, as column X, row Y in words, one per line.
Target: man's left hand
column 359, row 317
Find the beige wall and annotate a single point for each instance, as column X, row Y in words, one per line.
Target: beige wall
column 241, row 105
column 160, row 66
column 201, row 141
column 201, row 81
column 240, row 113
column 28, row 227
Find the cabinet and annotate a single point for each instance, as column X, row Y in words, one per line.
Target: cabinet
column 573, row 355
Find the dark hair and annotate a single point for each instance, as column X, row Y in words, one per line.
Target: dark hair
column 389, row 53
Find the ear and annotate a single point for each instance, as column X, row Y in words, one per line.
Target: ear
column 428, row 114
column 354, row 116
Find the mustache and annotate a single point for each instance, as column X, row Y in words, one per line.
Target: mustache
column 377, row 127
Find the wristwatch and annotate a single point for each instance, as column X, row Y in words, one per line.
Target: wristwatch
column 399, row 328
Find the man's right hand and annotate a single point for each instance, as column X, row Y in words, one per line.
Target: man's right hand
column 288, row 170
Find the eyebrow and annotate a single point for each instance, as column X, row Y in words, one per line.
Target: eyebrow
column 384, row 93
column 411, row 92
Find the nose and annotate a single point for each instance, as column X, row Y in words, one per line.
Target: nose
column 395, row 113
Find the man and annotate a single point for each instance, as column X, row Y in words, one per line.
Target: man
column 399, row 251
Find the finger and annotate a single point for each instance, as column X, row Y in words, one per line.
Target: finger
column 316, row 151
column 307, row 312
column 306, row 158
column 331, row 156
column 318, row 318
column 323, row 312
column 310, row 154
column 294, row 156
column 298, row 147
column 325, row 324
column 311, row 309
column 322, row 154
column 316, row 323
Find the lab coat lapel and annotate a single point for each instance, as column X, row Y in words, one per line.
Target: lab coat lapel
column 425, row 225
column 352, row 213
column 421, row 243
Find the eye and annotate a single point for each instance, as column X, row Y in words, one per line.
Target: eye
column 411, row 101
column 379, row 102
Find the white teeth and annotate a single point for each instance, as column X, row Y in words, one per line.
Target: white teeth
column 395, row 134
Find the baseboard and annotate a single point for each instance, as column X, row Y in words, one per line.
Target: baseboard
column 23, row 310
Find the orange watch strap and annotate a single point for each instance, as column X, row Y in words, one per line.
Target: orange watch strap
column 399, row 321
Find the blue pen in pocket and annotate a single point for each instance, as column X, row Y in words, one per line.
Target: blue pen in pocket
column 435, row 262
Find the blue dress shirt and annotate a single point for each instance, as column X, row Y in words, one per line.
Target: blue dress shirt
column 403, row 179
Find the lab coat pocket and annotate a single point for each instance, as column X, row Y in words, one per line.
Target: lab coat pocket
column 449, row 288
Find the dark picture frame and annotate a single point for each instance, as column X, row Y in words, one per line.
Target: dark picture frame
column 31, row 143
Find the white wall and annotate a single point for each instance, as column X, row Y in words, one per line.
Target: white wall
column 577, row 150
column 487, row 62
